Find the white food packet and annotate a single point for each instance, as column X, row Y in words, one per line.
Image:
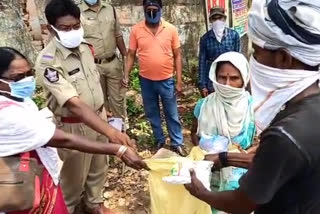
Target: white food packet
column 180, row 173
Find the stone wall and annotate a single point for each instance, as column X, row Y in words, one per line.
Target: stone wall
column 186, row 15
column 13, row 31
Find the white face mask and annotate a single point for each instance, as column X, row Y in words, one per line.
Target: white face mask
column 70, row 39
column 218, row 28
column 272, row 88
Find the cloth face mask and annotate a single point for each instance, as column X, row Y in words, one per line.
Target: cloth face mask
column 153, row 17
column 22, row 89
column 272, row 88
column 70, row 39
column 218, row 28
column 91, row 2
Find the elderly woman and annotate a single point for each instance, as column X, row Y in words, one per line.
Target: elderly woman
column 225, row 121
column 23, row 129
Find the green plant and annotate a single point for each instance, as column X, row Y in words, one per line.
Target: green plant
column 187, row 119
column 133, row 110
column 143, row 126
column 134, row 79
column 39, row 98
column 142, row 132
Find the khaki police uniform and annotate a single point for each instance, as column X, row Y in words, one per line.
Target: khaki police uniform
column 101, row 30
column 65, row 74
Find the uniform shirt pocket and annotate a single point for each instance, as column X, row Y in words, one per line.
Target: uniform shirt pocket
column 91, row 27
column 110, row 23
column 77, row 78
column 108, row 27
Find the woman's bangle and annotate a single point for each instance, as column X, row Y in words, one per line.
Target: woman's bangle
column 223, row 157
column 121, row 151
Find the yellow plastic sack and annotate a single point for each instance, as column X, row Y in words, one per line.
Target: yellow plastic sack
column 172, row 199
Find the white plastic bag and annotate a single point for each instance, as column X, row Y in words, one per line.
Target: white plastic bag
column 213, row 144
column 180, row 172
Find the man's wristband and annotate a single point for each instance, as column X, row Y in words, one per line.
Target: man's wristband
column 223, row 157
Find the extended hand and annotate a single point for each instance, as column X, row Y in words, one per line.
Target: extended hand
column 196, row 188
column 133, row 160
column 122, row 138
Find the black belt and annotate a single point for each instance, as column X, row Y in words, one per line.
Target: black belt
column 109, row 59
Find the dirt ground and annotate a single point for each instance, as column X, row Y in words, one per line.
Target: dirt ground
column 126, row 190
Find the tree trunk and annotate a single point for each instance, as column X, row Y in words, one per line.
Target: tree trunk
column 13, row 30
column 41, row 5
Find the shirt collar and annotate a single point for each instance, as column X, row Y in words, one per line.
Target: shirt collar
column 163, row 24
column 86, row 7
column 66, row 51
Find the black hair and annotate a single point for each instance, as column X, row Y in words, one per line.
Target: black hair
column 60, row 8
column 7, row 55
column 153, row 1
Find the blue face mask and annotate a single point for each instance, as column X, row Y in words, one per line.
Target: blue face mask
column 22, row 89
column 91, row 2
column 153, row 17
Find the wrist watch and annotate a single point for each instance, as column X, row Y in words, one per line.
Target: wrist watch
column 223, row 157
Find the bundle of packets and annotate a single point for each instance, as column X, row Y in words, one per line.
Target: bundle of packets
column 180, row 172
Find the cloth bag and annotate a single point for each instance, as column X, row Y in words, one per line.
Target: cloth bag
column 19, row 183
column 168, row 198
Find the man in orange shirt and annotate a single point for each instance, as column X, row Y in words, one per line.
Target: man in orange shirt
column 157, row 44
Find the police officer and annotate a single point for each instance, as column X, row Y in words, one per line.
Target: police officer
column 102, row 30
column 66, row 70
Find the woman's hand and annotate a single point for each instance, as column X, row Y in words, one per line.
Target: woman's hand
column 133, row 160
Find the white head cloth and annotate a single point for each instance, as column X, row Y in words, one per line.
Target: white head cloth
column 265, row 33
column 296, row 30
column 225, row 111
